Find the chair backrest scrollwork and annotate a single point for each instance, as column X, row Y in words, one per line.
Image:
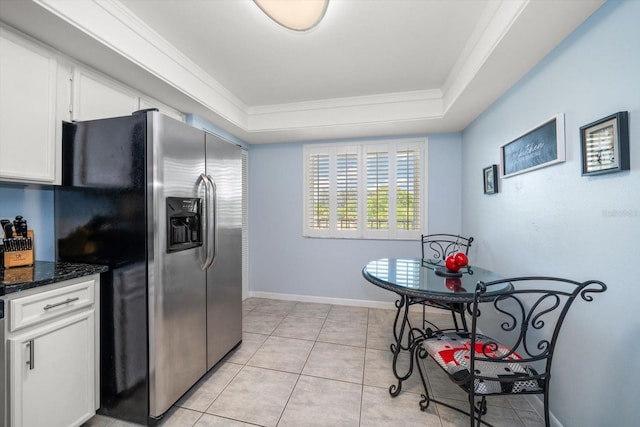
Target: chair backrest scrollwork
column 437, row 247
column 528, row 319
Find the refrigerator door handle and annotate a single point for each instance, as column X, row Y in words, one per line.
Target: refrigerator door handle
column 213, row 231
column 209, row 219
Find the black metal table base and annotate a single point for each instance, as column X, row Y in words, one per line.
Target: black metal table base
column 402, row 330
column 402, row 305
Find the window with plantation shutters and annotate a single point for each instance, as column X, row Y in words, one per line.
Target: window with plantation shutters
column 365, row 190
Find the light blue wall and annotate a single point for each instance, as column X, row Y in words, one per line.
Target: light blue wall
column 36, row 206
column 284, row 262
column 554, row 221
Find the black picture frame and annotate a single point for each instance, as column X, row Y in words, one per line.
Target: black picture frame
column 605, row 145
column 542, row 146
column 490, row 179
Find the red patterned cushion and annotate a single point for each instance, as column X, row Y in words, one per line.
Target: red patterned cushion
column 451, row 350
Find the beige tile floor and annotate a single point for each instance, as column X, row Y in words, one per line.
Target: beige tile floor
column 305, row 364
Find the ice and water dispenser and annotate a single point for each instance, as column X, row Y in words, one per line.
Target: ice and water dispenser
column 184, row 223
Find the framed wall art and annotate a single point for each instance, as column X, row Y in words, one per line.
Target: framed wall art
column 540, row 147
column 490, row 179
column 605, row 145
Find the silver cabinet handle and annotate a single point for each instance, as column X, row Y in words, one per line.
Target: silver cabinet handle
column 67, row 301
column 31, row 362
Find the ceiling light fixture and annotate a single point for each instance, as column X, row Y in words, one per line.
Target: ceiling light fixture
column 297, row 15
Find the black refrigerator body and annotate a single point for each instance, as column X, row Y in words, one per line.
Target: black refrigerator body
column 160, row 203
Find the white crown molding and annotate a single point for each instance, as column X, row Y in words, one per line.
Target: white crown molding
column 116, row 27
column 387, row 98
column 491, row 61
column 362, row 110
column 494, row 24
column 113, row 25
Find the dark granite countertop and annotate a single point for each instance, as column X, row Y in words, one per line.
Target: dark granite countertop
column 44, row 273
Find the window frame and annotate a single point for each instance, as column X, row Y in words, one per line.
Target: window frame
column 362, row 148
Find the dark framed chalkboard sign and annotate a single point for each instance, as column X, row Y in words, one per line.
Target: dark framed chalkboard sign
column 540, row 147
column 605, row 145
column 490, row 178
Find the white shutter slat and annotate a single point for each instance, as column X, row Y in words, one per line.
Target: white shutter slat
column 408, row 190
column 347, row 191
column 378, row 190
column 318, row 215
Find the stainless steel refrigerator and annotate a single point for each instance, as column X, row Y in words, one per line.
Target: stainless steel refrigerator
column 160, row 202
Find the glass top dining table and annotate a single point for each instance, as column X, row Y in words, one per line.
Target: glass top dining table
column 418, row 278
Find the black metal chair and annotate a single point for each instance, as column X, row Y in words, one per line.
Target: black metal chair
column 435, row 249
column 527, row 319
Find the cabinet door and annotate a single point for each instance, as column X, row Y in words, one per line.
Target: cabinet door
column 146, row 103
column 98, row 97
column 29, row 111
column 51, row 374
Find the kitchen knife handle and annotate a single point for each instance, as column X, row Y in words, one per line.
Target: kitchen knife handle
column 8, row 230
column 67, row 301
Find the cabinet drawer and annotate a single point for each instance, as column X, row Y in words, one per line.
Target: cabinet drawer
column 42, row 306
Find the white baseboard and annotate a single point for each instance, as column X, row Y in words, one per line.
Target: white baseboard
column 538, row 405
column 339, row 301
column 323, row 300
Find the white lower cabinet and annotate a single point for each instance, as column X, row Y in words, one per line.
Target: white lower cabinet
column 52, row 343
column 53, row 374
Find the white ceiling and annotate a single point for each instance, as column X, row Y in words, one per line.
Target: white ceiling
column 370, row 68
column 361, row 47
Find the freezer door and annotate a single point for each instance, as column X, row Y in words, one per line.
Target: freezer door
column 177, row 292
column 224, row 276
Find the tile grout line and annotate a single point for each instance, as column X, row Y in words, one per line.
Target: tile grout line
column 234, row 376
column 302, row 369
column 364, row 367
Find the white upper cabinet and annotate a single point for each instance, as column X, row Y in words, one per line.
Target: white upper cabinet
column 34, row 88
column 98, row 97
column 39, row 89
column 146, row 103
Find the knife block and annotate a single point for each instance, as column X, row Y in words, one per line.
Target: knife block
column 19, row 258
